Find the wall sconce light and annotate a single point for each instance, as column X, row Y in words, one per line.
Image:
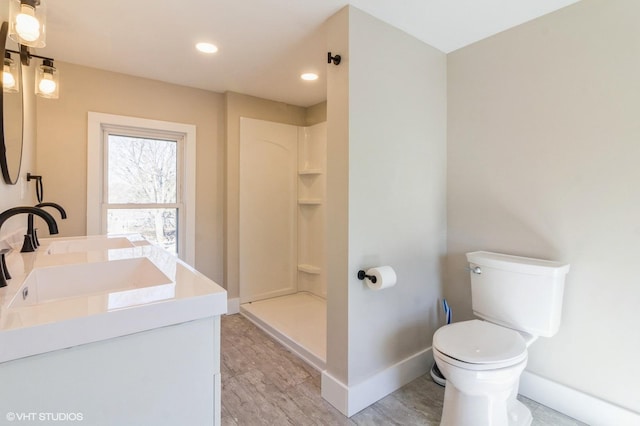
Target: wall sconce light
column 10, row 79
column 27, row 22
column 47, row 80
column 47, row 83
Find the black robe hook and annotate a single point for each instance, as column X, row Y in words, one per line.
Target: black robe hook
column 335, row 59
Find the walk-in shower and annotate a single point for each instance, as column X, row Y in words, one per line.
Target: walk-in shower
column 282, row 233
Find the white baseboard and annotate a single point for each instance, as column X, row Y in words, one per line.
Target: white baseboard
column 335, row 392
column 350, row 400
column 233, row 306
column 576, row 404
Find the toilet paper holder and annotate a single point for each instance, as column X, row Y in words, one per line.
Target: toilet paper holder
column 362, row 275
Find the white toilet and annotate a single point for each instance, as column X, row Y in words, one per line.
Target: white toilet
column 519, row 299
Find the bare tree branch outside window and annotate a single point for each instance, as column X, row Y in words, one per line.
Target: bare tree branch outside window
column 143, row 171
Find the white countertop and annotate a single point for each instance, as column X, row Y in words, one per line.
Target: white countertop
column 34, row 326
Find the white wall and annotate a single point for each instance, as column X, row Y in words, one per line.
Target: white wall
column 543, row 155
column 393, row 88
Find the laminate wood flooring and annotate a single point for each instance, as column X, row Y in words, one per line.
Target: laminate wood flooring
column 265, row 384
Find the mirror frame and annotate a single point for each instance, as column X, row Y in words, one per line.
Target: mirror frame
column 4, row 166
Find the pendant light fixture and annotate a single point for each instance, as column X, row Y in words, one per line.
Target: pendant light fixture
column 27, row 22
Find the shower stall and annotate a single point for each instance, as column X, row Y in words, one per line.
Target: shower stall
column 282, row 233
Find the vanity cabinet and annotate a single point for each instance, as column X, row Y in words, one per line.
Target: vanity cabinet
column 167, row 376
column 109, row 336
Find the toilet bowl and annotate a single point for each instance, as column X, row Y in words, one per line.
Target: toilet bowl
column 482, row 363
column 518, row 299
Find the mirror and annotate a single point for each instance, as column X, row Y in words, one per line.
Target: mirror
column 11, row 119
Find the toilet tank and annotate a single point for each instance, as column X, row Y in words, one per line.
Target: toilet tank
column 517, row 292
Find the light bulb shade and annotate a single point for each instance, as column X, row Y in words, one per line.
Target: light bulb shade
column 27, row 22
column 47, row 85
column 10, row 79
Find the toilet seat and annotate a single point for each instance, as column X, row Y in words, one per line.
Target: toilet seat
column 479, row 345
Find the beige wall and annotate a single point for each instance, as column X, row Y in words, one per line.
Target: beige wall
column 62, row 153
column 397, row 202
column 386, row 197
column 316, row 114
column 239, row 105
column 543, row 155
column 62, row 145
column 337, row 196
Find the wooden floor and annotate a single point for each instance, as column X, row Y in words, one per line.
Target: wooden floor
column 265, row 384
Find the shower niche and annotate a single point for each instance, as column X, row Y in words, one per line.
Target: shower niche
column 312, row 148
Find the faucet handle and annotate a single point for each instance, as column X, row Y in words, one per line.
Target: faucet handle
column 4, row 272
column 28, row 246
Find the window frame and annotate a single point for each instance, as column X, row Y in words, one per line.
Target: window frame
column 99, row 126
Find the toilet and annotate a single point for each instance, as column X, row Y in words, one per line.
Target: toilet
column 516, row 300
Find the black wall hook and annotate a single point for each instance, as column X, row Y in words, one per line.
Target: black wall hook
column 362, row 275
column 335, row 59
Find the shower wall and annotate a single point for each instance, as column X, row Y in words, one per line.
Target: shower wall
column 268, row 209
column 282, row 212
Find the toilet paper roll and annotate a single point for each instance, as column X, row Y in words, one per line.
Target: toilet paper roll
column 385, row 277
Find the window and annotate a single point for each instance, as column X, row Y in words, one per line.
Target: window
column 142, row 185
column 141, row 179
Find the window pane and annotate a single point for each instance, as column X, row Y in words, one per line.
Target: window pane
column 156, row 225
column 141, row 170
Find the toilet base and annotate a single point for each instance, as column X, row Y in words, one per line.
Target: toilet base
column 477, row 410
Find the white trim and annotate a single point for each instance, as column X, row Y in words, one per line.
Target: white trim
column 335, row 392
column 350, row 400
column 95, row 168
column 233, row 306
column 576, row 404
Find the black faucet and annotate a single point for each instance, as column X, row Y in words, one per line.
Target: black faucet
column 57, row 206
column 31, row 238
column 51, row 222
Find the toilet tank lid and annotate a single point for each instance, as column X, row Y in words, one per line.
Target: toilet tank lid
column 524, row 265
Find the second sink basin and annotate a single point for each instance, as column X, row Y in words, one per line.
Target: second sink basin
column 88, row 244
column 54, row 283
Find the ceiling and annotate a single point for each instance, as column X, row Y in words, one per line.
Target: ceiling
column 264, row 45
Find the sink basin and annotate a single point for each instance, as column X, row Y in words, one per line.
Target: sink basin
column 126, row 282
column 88, row 244
column 63, row 301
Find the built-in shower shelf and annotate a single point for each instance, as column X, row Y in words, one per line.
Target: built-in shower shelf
column 310, row 172
column 309, row 269
column 309, row 201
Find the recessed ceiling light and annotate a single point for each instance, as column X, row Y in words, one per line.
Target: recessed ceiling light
column 309, row 76
column 207, row 47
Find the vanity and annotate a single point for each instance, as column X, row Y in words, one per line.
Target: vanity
column 109, row 331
